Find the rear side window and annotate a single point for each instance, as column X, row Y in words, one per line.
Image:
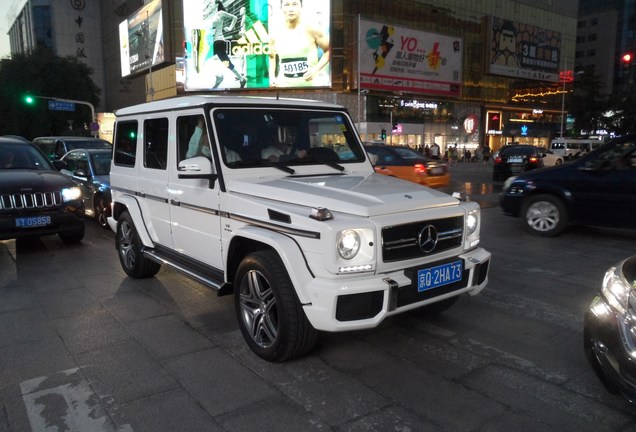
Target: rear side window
column 156, row 143
column 124, row 151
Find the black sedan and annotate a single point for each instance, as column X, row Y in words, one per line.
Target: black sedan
column 598, row 189
column 610, row 330
column 35, row 199
column 90, row 168
column 515, row 159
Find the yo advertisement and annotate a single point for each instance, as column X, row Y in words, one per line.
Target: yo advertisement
column 256, row 44
column 141, row 39
column 394, row 58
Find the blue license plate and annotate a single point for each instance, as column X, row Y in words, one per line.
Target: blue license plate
column 440, row 275
column 32, row 222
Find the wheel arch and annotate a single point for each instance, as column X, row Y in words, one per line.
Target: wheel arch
column 131, row 205
column 251, row 239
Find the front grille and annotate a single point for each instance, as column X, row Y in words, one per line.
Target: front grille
column 30, row 200
column 400, row 242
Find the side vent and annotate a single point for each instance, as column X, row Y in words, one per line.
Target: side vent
column 278, row 216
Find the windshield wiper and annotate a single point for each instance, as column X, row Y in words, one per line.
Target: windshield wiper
column 324, row 162
column 264, row 162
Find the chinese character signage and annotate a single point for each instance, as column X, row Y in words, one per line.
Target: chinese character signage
column 523, row 51
column 141, row 39
column 394, row 58
column 256, row 44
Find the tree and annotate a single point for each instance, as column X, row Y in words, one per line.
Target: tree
column 586, row 103
column 42, row 74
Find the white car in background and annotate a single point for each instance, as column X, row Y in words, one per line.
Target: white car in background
column 551, row 159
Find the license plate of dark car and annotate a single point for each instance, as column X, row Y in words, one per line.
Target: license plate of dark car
column 32, row 222
column 439, row 275
column 515, row 159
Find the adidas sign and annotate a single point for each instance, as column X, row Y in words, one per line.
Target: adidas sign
column 255, row 41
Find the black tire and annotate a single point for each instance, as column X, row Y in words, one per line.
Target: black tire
column 558, row 162
column 269, row 314
column 129, row 250
column 439, row 307
column 102, row 211
column 544, row 215
column 73, row 237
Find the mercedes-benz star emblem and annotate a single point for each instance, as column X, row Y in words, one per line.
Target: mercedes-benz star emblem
column 427, row 239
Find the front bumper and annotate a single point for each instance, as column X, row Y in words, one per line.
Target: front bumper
column 364, row 302
column 612, row 360
column 66, row 219
column 511, row 203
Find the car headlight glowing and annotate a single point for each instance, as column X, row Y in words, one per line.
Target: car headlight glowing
column 71, row 194
column 348, row 244
column 472, row 222
column 616, row 290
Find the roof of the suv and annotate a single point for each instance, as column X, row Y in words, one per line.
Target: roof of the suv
column 184, row 102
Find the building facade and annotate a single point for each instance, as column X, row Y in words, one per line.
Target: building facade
column 497, row 82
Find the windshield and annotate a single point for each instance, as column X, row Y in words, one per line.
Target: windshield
column 21, row 156
column 284, row 137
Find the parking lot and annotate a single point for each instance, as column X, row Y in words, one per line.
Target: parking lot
column 83, row 347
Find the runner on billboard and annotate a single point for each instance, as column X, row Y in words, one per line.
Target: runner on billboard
column 299, row 50
column 215, row 16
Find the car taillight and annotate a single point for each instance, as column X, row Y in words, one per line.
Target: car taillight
column 419, row 168
column 498, row 160
column 533, row 159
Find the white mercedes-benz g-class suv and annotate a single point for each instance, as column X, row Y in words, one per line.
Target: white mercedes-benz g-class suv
column 276, row 201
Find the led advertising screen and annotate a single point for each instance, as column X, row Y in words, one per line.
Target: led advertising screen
column 523, row 51
column 141, row 39
column 394, row 58
column 260, row 44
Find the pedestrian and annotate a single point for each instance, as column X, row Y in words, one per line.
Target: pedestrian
column 454, row 155
column 435, row 151
column 486, row 153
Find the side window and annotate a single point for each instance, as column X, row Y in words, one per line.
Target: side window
column 156, row 143
column 71, row 162
column 125, row 144
column 192, row 137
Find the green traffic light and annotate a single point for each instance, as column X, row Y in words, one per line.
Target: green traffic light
column 29, row 100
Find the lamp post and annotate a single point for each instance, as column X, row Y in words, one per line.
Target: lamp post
column 562, row 77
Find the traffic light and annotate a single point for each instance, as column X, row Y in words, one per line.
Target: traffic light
column 383, row 134
column 29, row 100
column 626, row 59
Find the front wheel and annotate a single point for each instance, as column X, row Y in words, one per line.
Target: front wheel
column 102, row 211
column 544, row 215
column 129, row 249
column 269, row 314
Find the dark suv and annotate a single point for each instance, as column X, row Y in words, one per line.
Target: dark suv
column 35, row 198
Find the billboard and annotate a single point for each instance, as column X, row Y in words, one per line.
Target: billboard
column 523, row 51
column 141, row 39
column 394, row 58
column 256, row 44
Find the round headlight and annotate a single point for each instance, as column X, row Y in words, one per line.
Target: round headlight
column 471, row 222
column 348, row 244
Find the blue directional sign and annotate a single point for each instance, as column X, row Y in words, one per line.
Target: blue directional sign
column 61, row 106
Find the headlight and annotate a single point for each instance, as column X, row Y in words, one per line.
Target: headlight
column 472, row 222
column 616, row 290
column 348, row 244
column 71, row 194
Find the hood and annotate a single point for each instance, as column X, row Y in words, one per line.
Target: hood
column 23, row 181
column 373, row 195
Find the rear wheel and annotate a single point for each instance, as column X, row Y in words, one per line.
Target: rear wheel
column 129, row 249
column 544, row 215
column 270, row 315
column 558, row 162
column 102, row 211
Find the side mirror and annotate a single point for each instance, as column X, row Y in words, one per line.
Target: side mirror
column 198, row 167
column 60, row 164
